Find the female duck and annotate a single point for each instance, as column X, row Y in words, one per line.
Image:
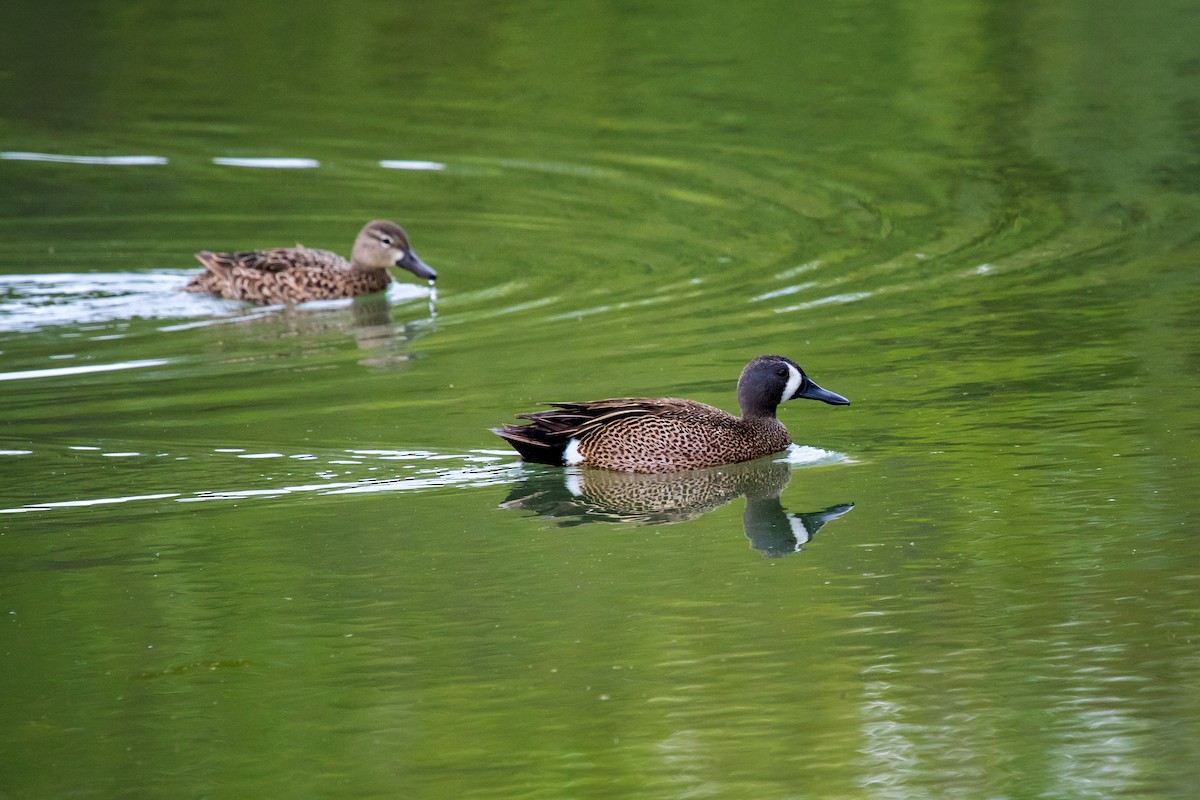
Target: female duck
column 668, row 434
column 299, row 274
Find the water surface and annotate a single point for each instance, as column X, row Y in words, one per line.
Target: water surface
column 249, row 551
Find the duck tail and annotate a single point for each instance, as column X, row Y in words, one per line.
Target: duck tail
column 211, row 261
column 533, row 443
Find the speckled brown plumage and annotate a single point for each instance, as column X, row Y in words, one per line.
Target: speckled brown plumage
column 664, row 434
column 287, row 275
column 668, row 434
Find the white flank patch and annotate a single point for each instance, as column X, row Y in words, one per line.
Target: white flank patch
column 792, row 385
column 571, row 456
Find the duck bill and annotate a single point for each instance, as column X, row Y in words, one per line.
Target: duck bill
column 810, row 391
column 416, row 266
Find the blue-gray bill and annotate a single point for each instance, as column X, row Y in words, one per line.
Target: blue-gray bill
column 412, row 262
column 809, row 390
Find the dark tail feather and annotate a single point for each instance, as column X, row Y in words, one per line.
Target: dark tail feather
column 210, row 260
column 532, row 447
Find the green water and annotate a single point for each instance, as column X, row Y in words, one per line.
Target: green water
column 259, row 553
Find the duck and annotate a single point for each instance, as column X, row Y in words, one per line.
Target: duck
column 291, row 275
column 668, row 434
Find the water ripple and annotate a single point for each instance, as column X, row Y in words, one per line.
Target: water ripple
column 268, row 163
column 222, row 161
column 413, row 470
column 121, row 161
column 35, row 302
column 56, row 372
column 432, row 166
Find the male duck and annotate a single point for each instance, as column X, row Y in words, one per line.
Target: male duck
column 668, row 434
column 298, row 274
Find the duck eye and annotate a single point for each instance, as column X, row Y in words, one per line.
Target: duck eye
column 386, row 241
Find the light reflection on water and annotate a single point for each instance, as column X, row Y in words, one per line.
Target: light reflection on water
column 592, row 495
column 87, row 369
column 69, row 300
column 223, row 161
column 55, row 158
column 417, row 471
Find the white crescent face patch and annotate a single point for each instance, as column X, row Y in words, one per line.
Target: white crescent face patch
column 792, row 385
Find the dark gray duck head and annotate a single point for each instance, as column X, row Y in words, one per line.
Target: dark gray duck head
column 768, row 381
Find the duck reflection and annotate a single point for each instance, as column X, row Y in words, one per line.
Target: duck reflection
column 578, row 495
column 384, row 342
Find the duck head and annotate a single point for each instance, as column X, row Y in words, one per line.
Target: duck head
column 382, row 244
column 768, row 381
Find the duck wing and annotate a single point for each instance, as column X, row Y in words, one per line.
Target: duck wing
column 572, row 419
column 548, row 433
column 275, row 259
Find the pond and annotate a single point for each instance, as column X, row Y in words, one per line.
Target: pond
column 256, row 551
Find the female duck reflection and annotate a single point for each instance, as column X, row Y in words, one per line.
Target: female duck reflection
column 583, row 495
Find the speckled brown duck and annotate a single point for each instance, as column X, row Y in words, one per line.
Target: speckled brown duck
column 298, row 274
column 668, row 434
